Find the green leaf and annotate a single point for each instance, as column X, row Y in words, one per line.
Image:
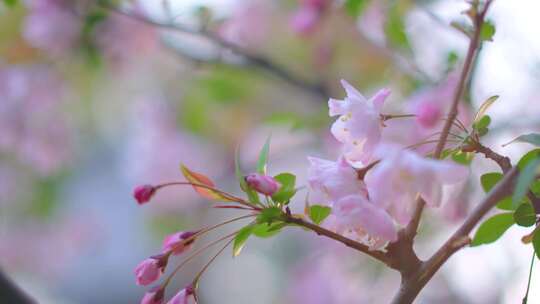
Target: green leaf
column 395, row 29
column 269, row 215
column 482, row 123
column 265, row 230
column 525, row 215
column 241, row 238
column 318, row 213
column 10, row 3
column 536, row 243
column 463, row 27
column 487, row 31
column 506, row 204
column 489, row 180
column 492, row 229
column 528, row 157
column 484, row 107
column 253, row 197
column 355, row 7
column 263, row 157
column 525, row 179
column 531, row 138
column 286, row 191
column 463, row 158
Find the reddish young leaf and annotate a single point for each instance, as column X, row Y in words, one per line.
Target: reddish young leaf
column 198, row 178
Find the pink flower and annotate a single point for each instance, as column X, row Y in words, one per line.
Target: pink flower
column 148, row 271
column 264, row 184
column 428, row 114
column 402, row 174
column 185, row 296
column 305, row 20
column 153, row 296
column 357, row 213
column 144, row 193
column 175, row 242
column 359, row 124
column 334, row 179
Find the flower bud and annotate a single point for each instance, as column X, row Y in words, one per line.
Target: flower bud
column 149, row 271
column 428, row 114
column 264, row 184
column 153, row 296
column 185, row 296
column 144, row 193
column 175, row 242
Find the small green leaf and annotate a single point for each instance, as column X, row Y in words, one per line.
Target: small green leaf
column 463, row 158
column 489, row 180
column 269, row 215
column 241, row 238
column 536, row 243
column 355, row 7
column 286, row 191
column 484, row 107
column 482, row 123
column 492, row 229
column 463, row 27
column 265, row 230
column 506, row 204
column 487, row 31
column 531, row 138
column 318, row 213
column 395, row 29
column 263, row 157
column 253, row 197
column 525, row 215
column 528, row 157
column 525, row 179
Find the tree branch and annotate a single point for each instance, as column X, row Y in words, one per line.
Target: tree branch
column 11, row 293
column 318, row 89
column 378, row 255
column 452, row 114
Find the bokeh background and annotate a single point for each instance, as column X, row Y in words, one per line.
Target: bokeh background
column 94, row 102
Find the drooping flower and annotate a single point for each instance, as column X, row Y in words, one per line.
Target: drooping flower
column 144, row 193
column 403, row 174
column 154, row 296
column 175, row 242
column 359, row 124
column 334, row 180
column 184, row 296
column 356, row 213
column 148, row 271
column 261, row 183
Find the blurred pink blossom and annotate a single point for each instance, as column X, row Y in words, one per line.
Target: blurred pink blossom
column 153, row 296
column 249, row 25
column 51, row 25
column 32, row 121
column 308, row 16
column 184, row 296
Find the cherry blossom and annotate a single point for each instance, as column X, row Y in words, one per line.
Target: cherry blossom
column 184, row 296
column 175, row 242
column 264, row 184
column 148, row 271
column 153, row 296
column 359, row 125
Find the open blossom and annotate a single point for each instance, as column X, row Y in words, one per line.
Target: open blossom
column 148, row 271
column 403, row 174
column 334, row 180
column 175, row 242
column 359, row 124
column 153, row 296
column 264, row 184
column 184, row 296
column 357, row 213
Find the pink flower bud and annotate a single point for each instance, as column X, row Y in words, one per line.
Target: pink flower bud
column 149, row 271
column 153, row 296
column 264, row 184
column 428, row 114
column 175, row 242
column 144, row 193
column 185, row 296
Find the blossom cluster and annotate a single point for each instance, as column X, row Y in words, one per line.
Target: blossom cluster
column 370, row 206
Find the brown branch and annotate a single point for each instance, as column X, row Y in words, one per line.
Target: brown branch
column 412, row 285
column 318, row 89
column 502, row 161
column 11, row 293
column 474, row 45
column 378, row 255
